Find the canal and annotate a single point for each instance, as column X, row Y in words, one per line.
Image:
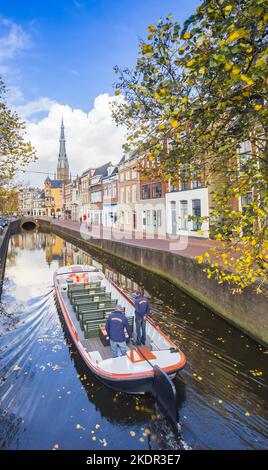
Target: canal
column 48, row 399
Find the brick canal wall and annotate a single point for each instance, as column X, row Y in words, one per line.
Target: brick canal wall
column 247, row 311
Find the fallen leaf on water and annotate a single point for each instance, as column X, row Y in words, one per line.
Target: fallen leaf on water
column 220, row 401
column 56, row 446
column 132, row 433
column 16, row 367
column 247, row 413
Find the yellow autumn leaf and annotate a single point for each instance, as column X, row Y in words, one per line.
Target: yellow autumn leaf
column 228, row 7
column 228, row 65
column 117, row 92
column 191, row 63
column 184, row 100
column 246, row 79
column 186, row 36
column 240, row 33
column 16, row 367
column 257, row 107
column 235, row 71
column 174, row 124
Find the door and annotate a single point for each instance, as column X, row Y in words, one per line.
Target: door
column 173, row 218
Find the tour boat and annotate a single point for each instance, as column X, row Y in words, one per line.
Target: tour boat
column 86, row 298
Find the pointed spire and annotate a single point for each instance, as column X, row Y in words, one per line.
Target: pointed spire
column 63, row 165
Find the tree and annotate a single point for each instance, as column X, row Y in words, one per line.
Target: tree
column 15, row 152
column 203, row 88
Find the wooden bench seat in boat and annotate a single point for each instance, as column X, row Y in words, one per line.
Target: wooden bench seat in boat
column 92, row 285
column 100, row 315
column 91, row 328
column 77, row 293
column 91, row 313
column 91, row 297
column 103, row 304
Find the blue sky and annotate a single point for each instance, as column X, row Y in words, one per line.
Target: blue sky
column 75, row 44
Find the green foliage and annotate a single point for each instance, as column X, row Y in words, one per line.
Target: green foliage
column 15, row 152
column 203, row 88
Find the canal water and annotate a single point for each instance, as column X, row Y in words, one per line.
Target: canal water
column 48, row 399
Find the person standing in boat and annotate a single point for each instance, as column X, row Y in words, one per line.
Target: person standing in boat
column 115, row 327
column 142, row 309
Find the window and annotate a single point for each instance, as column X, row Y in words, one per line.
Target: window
column 122, row 176
column 148, row 217
column 134, row 193
column 197, row 184
column 159, row 218
column 245, row 147
column 127, row 194
column 134, row 174
column 184, row 215
column 122, row 195
column 144, row 218
column 128, row 175
column 196, row 206
column 154, row 218
column 157, row 190
column 95, row 196
column 127, row 218
column 247, row 199
column 184, row 185
column 145, row 192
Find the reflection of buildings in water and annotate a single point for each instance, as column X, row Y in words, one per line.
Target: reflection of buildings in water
column 72, row 255
column 54, row 249
column 28, row 240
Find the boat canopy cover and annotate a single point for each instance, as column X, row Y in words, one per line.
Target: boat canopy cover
column 76, row 269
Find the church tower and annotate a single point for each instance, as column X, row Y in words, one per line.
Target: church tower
column 63, row 164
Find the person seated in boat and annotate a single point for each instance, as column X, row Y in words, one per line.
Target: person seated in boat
column 115, row 327
column 142, row 309
column 86, row 278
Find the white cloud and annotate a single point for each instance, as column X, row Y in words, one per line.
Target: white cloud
column 13, row 39
column 91, row 138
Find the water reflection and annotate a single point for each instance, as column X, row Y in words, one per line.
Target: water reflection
column 45, row 385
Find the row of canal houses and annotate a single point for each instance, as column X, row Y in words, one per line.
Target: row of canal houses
column 118, row 196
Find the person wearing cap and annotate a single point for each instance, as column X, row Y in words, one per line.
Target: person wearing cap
column 115, row 327
column 142, row 309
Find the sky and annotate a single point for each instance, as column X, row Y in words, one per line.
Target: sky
column 57, row 59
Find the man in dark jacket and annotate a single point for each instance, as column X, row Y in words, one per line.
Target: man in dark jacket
column 115, row 327
column 142, row 309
